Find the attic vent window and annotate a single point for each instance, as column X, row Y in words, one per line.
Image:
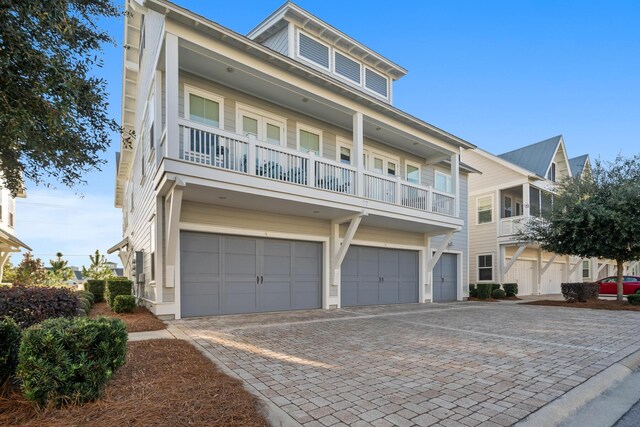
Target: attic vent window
column 314, row 51
column 376, row 82
column 347, row 68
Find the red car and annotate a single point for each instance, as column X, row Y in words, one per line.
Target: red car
column 609, row 285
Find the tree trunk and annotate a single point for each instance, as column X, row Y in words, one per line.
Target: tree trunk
column 620, row 279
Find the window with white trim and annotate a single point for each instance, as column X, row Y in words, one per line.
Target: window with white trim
column 264, row 125
column 412, row 173
column 485, row 209
column 552, row 172
column 376, row 82
column 312, row 50
column 485, row 267
column 347, row 67
column 586, row 268
column 343, row 151
column 309, row 140
column 381, row 163
column 443, row 182
column 203, row 107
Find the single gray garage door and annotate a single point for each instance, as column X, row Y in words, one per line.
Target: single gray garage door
column 379, row 276
column 445, row 278
column 232, row 274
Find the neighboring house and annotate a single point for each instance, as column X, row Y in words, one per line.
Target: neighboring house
column 272, row 171
column 513, row 187
column 9, row 243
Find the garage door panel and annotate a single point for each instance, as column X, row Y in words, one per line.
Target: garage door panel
column 389, row 291
column 200, row 305
column 523, row 273
column 199, row 242
column 201, row 264
column 445, row 278
column 368, row 292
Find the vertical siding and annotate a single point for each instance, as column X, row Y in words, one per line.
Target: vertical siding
column 279, row 41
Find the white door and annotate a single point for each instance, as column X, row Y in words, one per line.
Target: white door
column 552, row 278
column 523, row 273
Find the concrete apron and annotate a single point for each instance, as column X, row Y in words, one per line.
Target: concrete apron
column 566, row 407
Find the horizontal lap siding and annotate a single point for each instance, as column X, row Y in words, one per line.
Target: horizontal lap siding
column 279, row 41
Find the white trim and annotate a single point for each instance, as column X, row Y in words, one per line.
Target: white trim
column 449, row 181
column 364, row 83
column 408, row 163
column 264, row 118
column 310, row 129
column 493, row 266
column 493, row 219
column 188, row 90
column 342, row 142
column 311, row 61
column 351, row 58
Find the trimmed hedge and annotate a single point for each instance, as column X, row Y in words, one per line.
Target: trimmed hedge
column 510, row 289
column 634, row 299
column 484, row 290
column 124, row 304
column 96, row 287
column 28, row 305
column 495, row 286
column 580, row 292
column 473, row 292
column 88, row 295
column 69, row 361
column 9, row 345
column 498, row 294
column 115, row 287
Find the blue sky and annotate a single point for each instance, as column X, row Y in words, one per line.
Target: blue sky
column 500, row 74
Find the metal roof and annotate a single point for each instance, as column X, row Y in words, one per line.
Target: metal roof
column 535, row 157
column 577, row 164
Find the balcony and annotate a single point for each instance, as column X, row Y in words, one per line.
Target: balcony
column 511, row 226
column 236, row 153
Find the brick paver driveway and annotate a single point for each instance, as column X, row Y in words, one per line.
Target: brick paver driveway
column 436, row 364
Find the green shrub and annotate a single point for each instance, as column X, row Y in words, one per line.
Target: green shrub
column 510, row 289
column 69, row 361
column 88, row 295
column 9, row 344
column 473, row 292
column 634, row 299
column 96, row 287
column 85, row 304
column 124, row 304
column 115, row 287
column 498, row 294
column 28, row 305
column 580, row 292
column 484, row 290
column 495, row 286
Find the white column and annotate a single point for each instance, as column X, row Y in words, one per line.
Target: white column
column 502, row 259
column 159, row 249
column 455, row 182
column 157, row 118
column 427, row 275
column 171, row 85
column 358, row 151
column 526, row 199
column 538, row 282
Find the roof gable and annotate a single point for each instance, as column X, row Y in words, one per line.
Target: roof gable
column 535, row 157
column 579, row 164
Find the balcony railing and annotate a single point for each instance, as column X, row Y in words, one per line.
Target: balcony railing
column 512, row 225
column 226, row 150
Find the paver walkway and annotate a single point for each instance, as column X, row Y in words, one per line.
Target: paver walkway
column 458, row 364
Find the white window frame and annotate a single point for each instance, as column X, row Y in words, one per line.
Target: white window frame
column 328, row 46
column 264, row 118
column 346, row 79
column 364, row 83
column 406, row 171
column 582, row 269
column 385, row 157
column 449, row 182
column 493, row 217
column 478, row 267
column 553, row 172
column 310, row 129
column 342, row 142
column 188, row 90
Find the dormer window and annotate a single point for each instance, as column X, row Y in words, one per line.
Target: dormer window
column 313, row 50
column 552, row 172
column 347, row 68
column 375, row 82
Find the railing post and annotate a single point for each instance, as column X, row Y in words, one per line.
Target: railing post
column 455, row 183
column 311, row 172
column 429, row 199
column 398, row 190
column 358, row 151
column 171, row 98
column 251, row 155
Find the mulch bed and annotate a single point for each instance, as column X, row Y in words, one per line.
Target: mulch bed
column 163, row 383
column 599, row 304
column 482, row 300
column 140, row 320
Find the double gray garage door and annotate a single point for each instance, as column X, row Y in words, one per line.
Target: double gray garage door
column 231, row 274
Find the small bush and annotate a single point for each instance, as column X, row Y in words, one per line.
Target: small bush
column 115, row 287
column 484, row 290
column 580, row 292
column 85, row 304
column 88, row 295
column 124, row 304
column 495, row 286
column 634, row 299
column 96, row 287
column 28, row 305
column 498, row 294
column 9, row 344
column 510, row 289
column 473, row 292
column 69, row 361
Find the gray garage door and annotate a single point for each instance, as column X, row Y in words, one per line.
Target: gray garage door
column 231, row 274
column 445, row 278
column 379, row 276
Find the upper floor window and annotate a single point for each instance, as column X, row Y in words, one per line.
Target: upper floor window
column 381, row 163
column 413, row 173
column 343, row 152
column 202, row 107
column 376, row 82
column 347, row 68
column 263, row 125
column 309, row 140
column 443, row 182
column 313, row 50
column 552, row 172
column 485, row 210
